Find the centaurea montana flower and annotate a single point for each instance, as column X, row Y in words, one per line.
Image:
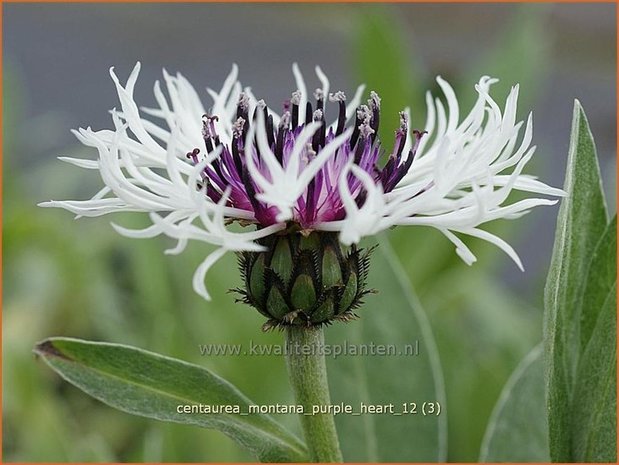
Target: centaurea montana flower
column 300, row 172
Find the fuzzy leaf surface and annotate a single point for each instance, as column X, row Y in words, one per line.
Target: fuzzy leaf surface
column 517, row 430
column 150, row 385
column 581, row 222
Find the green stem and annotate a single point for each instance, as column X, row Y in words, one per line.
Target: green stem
column 308, row 376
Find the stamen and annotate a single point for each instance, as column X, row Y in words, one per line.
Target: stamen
column 363, row 117
column 206, row 130
column 216, row 164
column 209, row 128
column 237, row 146
column 403, row 121
column 308, row 113
column 236, row 155
column 242, row 108
column 295, row 101
column 361, row 143
column 207, row 134
column 319, row 95
column 401, row 171
column 365, row 130
column 355, row 133
column 284, row 121
column 340, row 97
column 268, row 121
column 260, row 105
column 364, row 114
column 374, row 101
column 213, row 194
column 374, row 104
column 309, row 154
column 193, row 155
column 296, row 98
column 400, row 135
column 310, row 203
column 251, row 192
column 316, row 138
column 270, row 130
column 237, row 127
column 284, row 124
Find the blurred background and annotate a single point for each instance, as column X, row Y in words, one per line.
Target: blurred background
column 79, row 278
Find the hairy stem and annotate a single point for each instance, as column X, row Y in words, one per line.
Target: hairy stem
column 308, row 376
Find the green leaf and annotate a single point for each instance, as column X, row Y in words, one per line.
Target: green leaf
column 581, row 222
column 483, row 332
column 601, row 276
column 517, row 430
column 392, row 318
column 594, row 421
column 153, row 386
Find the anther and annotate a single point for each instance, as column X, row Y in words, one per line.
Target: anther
column 295, row 100
column 296, row 97
column 403, row 121
column 374, row 104
column 284, row 121
column 207, row 134
column 242, row 105
column 374, row 101
column 319, row 95
column 237, row 127
column 364, row 114
column 339, row 96
column 317, row 138
column 365, row 130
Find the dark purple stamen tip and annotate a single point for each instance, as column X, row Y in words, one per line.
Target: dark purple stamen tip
column 193, row 155
column 321, row 202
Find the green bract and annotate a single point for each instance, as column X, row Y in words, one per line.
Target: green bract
column 304, row 280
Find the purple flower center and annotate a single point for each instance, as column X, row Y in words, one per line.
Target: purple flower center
column 321, row 201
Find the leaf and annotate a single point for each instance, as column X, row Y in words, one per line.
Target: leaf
column 581, row 222
column 483, row 332
column 601, row 276
column 517, row 430
column 594, row 402
column 392, row 318
column 594, row 421
column 153, row 386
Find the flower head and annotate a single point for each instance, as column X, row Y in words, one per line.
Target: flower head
column 300, row 169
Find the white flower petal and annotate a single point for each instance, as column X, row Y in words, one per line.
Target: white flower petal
column 199, row 276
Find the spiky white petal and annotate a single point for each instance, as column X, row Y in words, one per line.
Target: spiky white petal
column 461, row 177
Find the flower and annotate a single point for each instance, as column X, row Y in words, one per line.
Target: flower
column 196, row 172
